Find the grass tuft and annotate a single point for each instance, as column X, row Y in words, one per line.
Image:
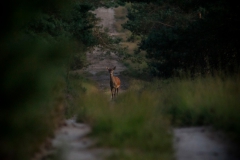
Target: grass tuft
column 203, row 101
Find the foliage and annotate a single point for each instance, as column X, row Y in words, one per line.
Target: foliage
column 103, row 3
column 31, row 83
column 39, row 41
column 195, row 36
column 75, row 23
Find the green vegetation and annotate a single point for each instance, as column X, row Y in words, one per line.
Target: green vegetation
column 132, row 123
column 203, row 101
column 131, row 56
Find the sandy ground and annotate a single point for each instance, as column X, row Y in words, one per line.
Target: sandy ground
column 202, row 143
column 73, row 143
column 196, row 143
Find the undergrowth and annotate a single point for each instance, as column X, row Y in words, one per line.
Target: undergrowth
column 203, row 101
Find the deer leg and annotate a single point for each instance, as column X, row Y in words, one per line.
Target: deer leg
column 117, row 91
column 112, row 92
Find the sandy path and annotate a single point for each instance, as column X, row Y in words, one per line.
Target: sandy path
column 99, row 61
column 72, row 143
column 202, row 143
column 97, row 68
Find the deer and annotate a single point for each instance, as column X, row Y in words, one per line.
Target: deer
column 114, row 82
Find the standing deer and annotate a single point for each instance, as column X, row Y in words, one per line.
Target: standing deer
column 114, row 82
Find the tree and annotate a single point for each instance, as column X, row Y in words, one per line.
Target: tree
column 193, row 36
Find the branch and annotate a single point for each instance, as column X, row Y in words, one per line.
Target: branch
column 102, row 41
column 164, row 24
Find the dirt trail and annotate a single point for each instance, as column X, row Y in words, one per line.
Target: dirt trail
column 99, row 61
column 202, row 143
column 72, row 143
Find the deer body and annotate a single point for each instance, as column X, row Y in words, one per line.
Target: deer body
column 114, row 82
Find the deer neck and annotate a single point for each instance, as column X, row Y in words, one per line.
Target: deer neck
column 112, row 78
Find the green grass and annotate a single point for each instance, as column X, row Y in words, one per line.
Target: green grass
column 78, row 87
column 131, row 123
column 203, row 101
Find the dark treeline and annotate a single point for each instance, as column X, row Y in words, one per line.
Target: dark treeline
column 193, row 36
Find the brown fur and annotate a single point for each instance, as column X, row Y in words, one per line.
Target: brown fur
column 114, row 82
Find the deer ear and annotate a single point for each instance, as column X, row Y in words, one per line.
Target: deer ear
column 114, row 68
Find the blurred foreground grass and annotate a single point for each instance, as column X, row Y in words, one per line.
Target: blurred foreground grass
column 32, row 94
